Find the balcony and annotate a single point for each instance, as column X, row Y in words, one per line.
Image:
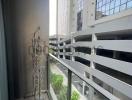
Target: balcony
column 67, row 83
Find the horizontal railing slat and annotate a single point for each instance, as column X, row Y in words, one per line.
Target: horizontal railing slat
column 122, row 66
column 113, row 82
column 82, row 55
column 82, row 44
column 117, row 45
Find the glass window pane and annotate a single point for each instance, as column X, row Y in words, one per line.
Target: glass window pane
column 117, row 3
column 100, row 4
column 117, row 9
column 112, row 4
column 107, row 6
column 103, row 9
column 123, row 1
column 97, row 6
column 129, row 4
column 111, row 11
column 79, row 15
column 107, row 12
column 99, row 9
column 108, row 1
column 79, row 21
column 123, row 7
column 104, row 2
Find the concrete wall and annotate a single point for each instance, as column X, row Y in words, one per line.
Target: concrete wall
column 22, row 18
column 63, row 17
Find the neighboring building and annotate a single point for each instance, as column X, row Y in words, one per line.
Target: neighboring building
column 62, row 17
column 53, row 43
column 99, row 37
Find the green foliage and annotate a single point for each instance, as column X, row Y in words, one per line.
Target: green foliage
column 75, row 96
column 50, row 50
column 60, row 90
column 63, row 94
column 56, row 81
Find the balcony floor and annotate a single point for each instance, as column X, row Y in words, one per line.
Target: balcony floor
column 44, row 96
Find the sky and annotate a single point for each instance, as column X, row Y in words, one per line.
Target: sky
column 52, row 17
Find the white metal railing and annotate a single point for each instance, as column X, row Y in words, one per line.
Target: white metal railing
column 88, row 81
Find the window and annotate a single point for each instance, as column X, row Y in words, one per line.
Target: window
column 79, row 15
column 79, row 21
column 110, row 7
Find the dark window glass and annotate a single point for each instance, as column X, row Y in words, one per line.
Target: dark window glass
column 79, row 15
column 79, row 21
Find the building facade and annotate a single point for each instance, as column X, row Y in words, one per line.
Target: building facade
column 99, row 37
column 53, row 43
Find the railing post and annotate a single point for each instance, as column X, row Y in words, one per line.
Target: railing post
column 69, row 84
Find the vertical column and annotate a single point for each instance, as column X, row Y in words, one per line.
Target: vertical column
column 84, row 84
column 115, row 55
column 93, row 52
column 91, row 20
column 70, row 15
column 72, row 48
column 91, row 12
column 85, row 14
column 84, row 27
column 58, row 44
column 64, row 51
column 57, row 32
column 75, row 16
column 69, row 85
